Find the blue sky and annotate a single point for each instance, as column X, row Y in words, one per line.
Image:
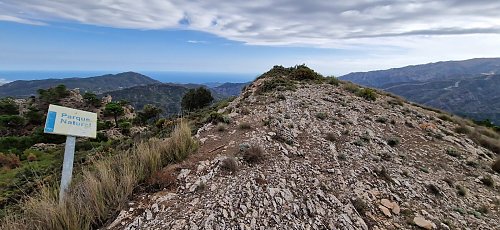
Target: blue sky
column 334, row 38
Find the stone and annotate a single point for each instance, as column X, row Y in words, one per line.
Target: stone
column 385, row 210
column 395, row 208
column 386, row 203
column 423, row 223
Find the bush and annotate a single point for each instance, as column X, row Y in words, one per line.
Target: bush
column 332, row 81
column 350, row 87
column 196, row 99
column 393, row 141
column 34, row 116
column 461, row 190
column 321, row 116
column 302, row 72
column 445, row 117
column 488, row 181
column 215, row 118
column 12, row 121
column 114, row 109
column 278, row 83
column 53, row 95
column 9, row 161
column 8, row 107
column 221, row 127
column 229, row 164
column 496, row 166
column 245, row 125
column 331, row 137
column 368, row 94
column 453, row 152
column 253, row 154
column 91, row 99
column 125, row 127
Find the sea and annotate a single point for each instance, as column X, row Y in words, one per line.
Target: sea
column 163, row 76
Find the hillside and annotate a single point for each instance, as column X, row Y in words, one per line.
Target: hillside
column 98, row 84
column 164, row 96
column 467, row 88
column 167, row 96
column 448, row 70
column 299, row 155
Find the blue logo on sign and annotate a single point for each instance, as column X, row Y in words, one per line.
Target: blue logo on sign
column 51, row 120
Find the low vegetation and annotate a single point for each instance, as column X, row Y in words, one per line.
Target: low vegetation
column 368, row 94
column 101, row 190
column 253, row 154
column 496, row 166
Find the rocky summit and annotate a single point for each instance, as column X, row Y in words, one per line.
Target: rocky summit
column 320, row 156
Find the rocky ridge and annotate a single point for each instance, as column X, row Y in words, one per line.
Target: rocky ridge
column 332, row 160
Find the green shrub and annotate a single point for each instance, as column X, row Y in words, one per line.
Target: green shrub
column 12, row 121
column 445, row 117
column 350, row 87
column 331, row 137
column 461, row 191
column 34, row 116
column 91, row 99
column 8, row 106
column 488, row 181
column 332, row 81
column 321, row 116
column 125, row 127
column 302, row 72
column 393, row 141
column 368, row 94
column 278, row 83
column 215, row 118
column 453, row 152
column 245, row 125
column 196, row 99
column 53, row 95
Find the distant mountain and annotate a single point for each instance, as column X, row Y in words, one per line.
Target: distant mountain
column 98, row 84
column 447, row 70
column 469, row 88
column 168, row 96
column 165, row 96
column 230, row 89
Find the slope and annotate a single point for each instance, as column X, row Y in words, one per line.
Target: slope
column 320, row 157
column 98, row 84
column 448, row 70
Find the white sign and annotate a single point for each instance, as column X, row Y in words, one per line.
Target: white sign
column 71, row 122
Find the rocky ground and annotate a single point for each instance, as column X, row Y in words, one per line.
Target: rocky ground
column 331, row 160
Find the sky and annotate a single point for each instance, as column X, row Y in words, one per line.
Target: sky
column 332, row 37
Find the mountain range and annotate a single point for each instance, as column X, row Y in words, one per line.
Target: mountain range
column 469, row 88
column 98, row 84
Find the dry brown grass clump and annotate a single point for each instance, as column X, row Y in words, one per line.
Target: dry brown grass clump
column 254, row 154
column 103, row 188
column 229, row 164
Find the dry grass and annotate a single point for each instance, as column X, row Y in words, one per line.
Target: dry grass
column 103, row 189
column 254, row 154
column 229, row 164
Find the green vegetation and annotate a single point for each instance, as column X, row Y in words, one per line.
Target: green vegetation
column 91, row 99
column 196, row 99
column 368, row 94
column 276, row 83
column 393, row 141
column 321, row 116
column 149, row 114
column 8, row 107
column 488, row 181
column 114, row 109
column 100, row 191
column 53, row 95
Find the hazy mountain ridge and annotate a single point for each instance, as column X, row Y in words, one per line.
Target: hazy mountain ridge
column 97, row 84
column 469, row 88
column 446, row 70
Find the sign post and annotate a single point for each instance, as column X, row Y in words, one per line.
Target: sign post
column 72, row 123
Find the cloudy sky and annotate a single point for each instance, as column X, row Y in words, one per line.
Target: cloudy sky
column 333, row 37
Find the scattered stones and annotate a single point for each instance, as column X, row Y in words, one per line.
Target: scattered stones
column 423, row 223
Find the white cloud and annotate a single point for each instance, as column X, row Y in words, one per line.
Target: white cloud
column 3, row 81
column 197, row 42
column 388, row 31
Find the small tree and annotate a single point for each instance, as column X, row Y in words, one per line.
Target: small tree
column 114, row 109
column 196, row 99
column 91, row 99
column 148, row 112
